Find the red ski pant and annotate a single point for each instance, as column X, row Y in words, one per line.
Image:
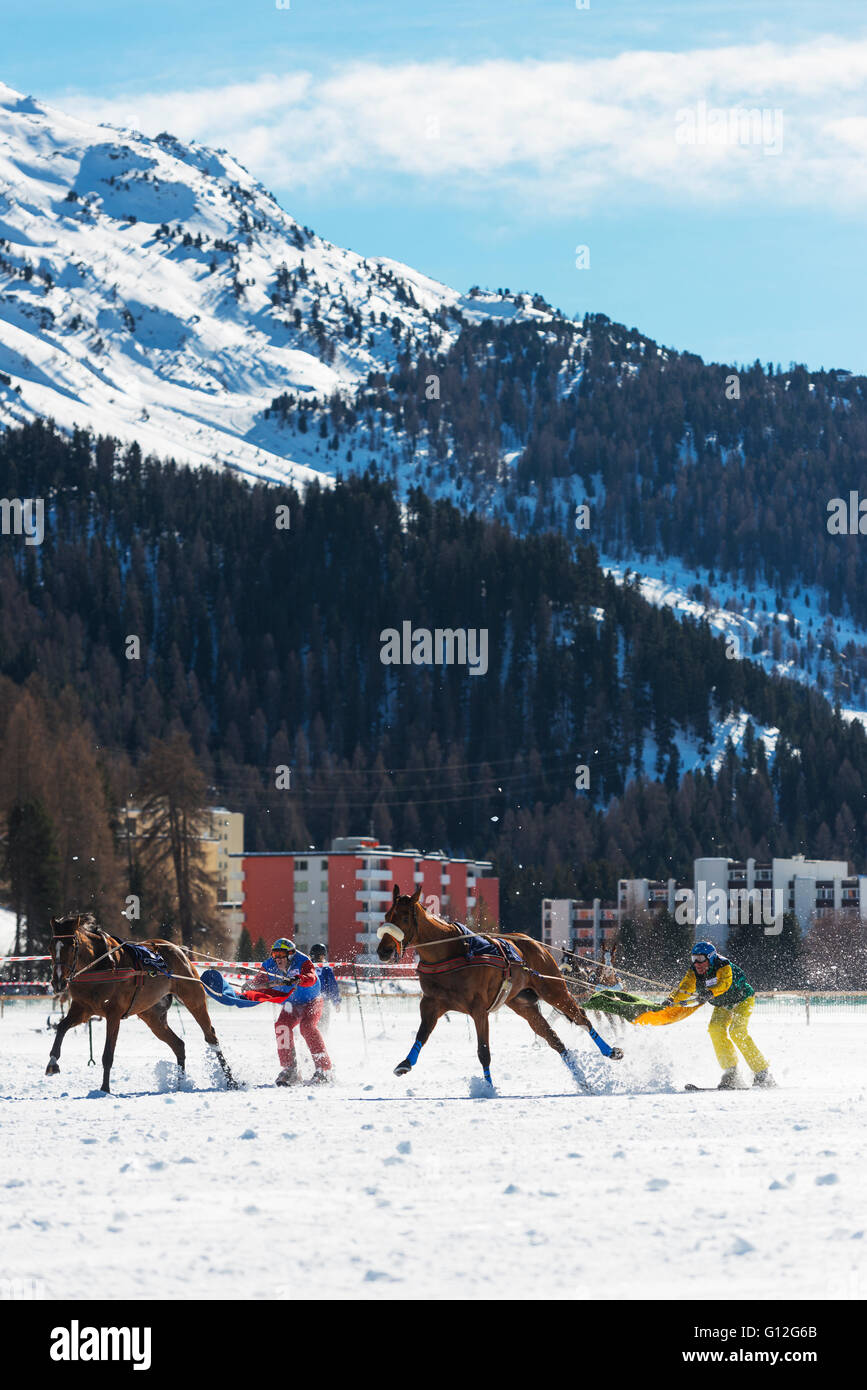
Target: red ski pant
column 306, row 1017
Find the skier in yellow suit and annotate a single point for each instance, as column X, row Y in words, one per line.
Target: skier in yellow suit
column 712, row 978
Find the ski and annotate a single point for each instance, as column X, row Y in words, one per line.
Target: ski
column 723, row 1089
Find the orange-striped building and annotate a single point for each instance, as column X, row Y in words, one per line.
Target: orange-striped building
column 340, row 896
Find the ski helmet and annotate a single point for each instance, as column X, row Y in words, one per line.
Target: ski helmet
column 318, row 952
column 703, row 948
column 283, row 944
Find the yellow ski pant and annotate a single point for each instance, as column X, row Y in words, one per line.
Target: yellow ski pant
column 732, row 1026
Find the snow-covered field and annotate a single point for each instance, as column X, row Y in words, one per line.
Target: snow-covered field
column 424, row 1187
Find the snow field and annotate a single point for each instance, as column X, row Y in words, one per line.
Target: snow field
column 426, row 1186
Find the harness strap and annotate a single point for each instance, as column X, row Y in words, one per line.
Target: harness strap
column 496, row 962
column 125, row 1014
column 99, row 975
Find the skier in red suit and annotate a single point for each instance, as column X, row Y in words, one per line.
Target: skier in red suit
column 290, row 968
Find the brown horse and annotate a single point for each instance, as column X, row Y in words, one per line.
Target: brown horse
column 451, row 982
column 103, row 977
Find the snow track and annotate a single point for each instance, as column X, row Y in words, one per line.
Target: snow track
column 426, row 1187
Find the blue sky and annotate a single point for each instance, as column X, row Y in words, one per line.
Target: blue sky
column 484, row 142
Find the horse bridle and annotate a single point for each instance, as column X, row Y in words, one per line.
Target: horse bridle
column 74, row 936
column 397, row 934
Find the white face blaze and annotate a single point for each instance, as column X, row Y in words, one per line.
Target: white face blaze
column 389, row 930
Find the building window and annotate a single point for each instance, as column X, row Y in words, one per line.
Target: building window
column 301, row 886
column 301, row 865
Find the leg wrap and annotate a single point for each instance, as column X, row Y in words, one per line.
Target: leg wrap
column 601, row 1043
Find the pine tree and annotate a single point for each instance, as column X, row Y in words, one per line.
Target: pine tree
column 32, row 865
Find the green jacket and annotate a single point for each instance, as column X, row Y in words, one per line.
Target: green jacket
column 726, row 987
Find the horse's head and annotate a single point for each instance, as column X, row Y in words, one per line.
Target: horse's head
column 400, row 927
column 577, row 969
column 67, row 939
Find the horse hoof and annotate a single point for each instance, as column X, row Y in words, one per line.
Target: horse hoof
column 617, row 1054
column 402, row 1068
column 52, row 1069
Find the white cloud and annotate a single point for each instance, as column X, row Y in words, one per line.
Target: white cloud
column 571, row 133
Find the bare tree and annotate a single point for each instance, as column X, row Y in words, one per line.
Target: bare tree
column 174, row 820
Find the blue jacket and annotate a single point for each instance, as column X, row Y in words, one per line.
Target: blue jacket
column 328, row 982
column 300, row 966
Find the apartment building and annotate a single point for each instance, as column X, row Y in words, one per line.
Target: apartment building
column 340, row 896
column 571, row 925
column 806, row 887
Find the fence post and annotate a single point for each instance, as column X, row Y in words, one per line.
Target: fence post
column 360, row 1009
column 807, row 1005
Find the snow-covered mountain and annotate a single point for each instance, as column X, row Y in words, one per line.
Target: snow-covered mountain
column 155, row 291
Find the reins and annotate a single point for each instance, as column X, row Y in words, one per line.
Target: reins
column 630, row 974
column 486, row 936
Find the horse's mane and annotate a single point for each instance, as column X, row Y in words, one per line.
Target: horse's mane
column 85, row 919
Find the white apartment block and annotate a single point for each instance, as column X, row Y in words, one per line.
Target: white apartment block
column 568, row 924
column 806, row 887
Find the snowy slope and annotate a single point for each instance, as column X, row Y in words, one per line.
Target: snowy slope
column 155, row 291
column 799, row 640
column 383, row 1188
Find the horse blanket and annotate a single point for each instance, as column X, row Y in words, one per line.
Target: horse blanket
column 477, row 945
column 148, row 961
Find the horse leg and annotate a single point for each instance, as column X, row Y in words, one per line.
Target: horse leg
column 77, row 1014
column 481, row 1019
column 156, row 1019
column 112, row 1027
column 191, row 993
column 430, row 1011
column 527, row 1008
column 555, row 992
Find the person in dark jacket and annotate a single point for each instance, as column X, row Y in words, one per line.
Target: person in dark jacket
column 327, row 983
